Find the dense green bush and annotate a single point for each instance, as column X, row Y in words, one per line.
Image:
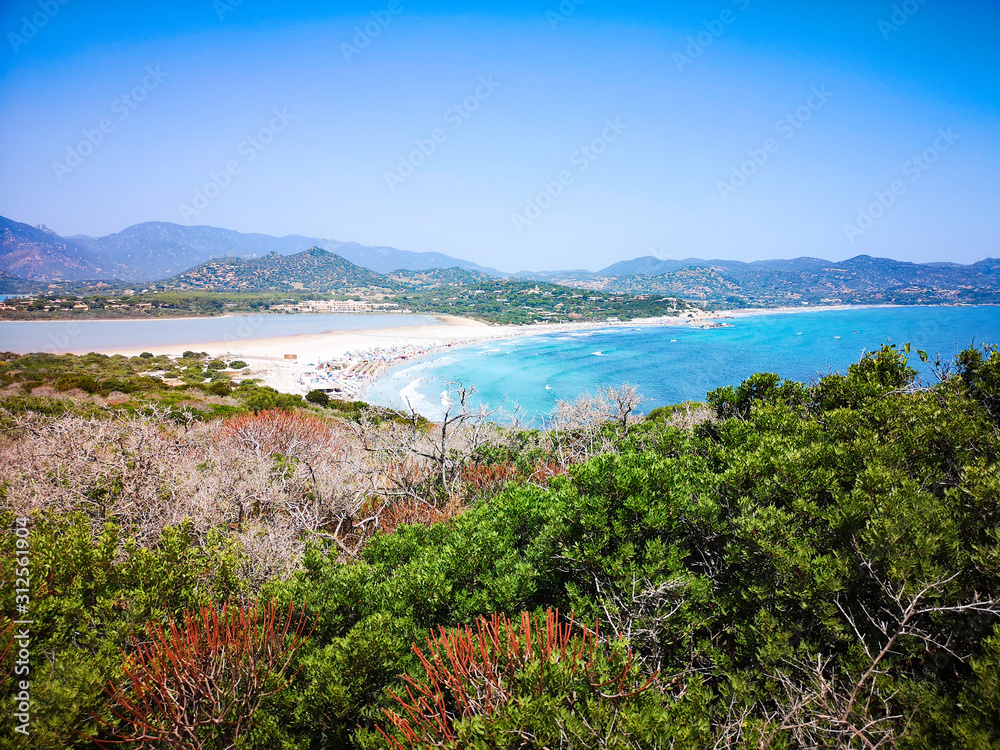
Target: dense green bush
column 320, row 398
column 257, row 398
column 220, row 387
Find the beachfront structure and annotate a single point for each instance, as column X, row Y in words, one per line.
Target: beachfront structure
column 338, row 306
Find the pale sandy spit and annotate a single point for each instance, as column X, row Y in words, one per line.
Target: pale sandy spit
column 364, row 355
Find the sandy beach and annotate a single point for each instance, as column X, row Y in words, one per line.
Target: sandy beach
column 341, row 362
column 344, row 363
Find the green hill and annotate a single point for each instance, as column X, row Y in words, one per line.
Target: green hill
column 314, row 270
column 440, row 277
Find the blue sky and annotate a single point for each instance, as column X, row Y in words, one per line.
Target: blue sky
column 739, row 129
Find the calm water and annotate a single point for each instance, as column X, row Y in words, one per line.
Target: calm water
column 108, row 335
column 674, row 364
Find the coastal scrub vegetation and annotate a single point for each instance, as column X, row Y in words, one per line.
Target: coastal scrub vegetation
column 86, row 302
column 788, row 565
column 191, row 387
column 511, row 301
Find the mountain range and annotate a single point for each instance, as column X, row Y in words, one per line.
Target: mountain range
column 206, row 257
column 859, row 280
column 39, row 254
column 158, row 250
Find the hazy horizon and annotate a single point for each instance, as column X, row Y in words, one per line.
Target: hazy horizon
column 529, row 136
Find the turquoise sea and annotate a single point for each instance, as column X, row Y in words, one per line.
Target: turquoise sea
column 675, row 364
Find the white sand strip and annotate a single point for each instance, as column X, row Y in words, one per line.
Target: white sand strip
column 345, row 362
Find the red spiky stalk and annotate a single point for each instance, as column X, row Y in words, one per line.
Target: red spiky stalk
column 474, row 672
column 198, row 682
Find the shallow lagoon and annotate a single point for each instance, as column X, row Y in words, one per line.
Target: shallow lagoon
column 81, row 336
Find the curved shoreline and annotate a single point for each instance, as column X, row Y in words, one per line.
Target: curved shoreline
column 348, row 362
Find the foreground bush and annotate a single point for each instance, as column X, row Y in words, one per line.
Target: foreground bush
column 199, row 682
column 540, row 684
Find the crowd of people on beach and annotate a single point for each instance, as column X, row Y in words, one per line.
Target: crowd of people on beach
column 350, row 374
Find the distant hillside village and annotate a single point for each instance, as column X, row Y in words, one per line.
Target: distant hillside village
column 338, row 306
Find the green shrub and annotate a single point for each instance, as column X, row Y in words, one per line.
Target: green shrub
column 666, row 412
column 979, row 371
column 220, row 388
column 258, row 398
column 319, row 398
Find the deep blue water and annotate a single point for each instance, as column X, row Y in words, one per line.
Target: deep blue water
column 83, row 336
column 675, row 364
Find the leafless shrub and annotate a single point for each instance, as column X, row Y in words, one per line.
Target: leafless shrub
column 419, row 456
column 148, row 473
column 272, row 480
column 276, row 479
column 688, row 416
column 578, row 429
column 642, row 613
